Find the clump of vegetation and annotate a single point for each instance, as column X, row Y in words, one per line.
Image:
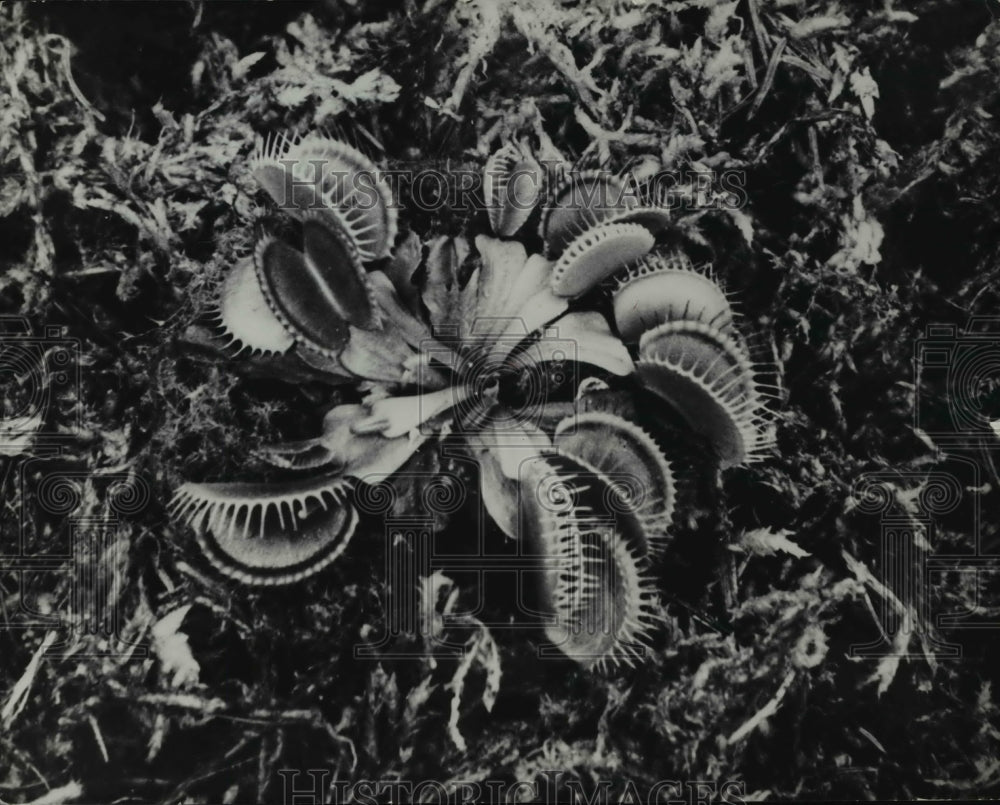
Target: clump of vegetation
column 864, row 134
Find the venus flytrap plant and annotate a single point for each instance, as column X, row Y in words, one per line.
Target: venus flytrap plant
column 433, row 359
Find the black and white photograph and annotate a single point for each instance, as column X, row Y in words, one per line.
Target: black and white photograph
column 499, row 401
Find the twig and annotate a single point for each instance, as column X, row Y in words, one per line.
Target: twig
column 67, row 793
column 33, row 768
column 100, row 738
column 772, row 68
column 875, row 618
column 819, row 74
column 181, row 790
column 750, row 67
column 217, row 708
column 262, row 768
column 528, row 16
column 765, row 712
column 482, row 39
column 19, row 693
column 763, row 40
column 864, row 575
column 455, row 686
column 65, row 54
column 92, row 272
column 605, row 136
column 872, row 739
column 267, row 763
column 817, row 163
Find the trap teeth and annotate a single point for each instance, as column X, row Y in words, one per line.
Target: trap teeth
column 356, row 223
column 269, row 534
column 596, row 254
column 579, row 202
column 334, row 180
column 655, row 219
column 608, row 611
column 267, row 167
column 353, row 184
column 664, row 289
column 596, row 590
column 630, row 460
column 707, row 377
column 511, row 184
column 242, row 313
